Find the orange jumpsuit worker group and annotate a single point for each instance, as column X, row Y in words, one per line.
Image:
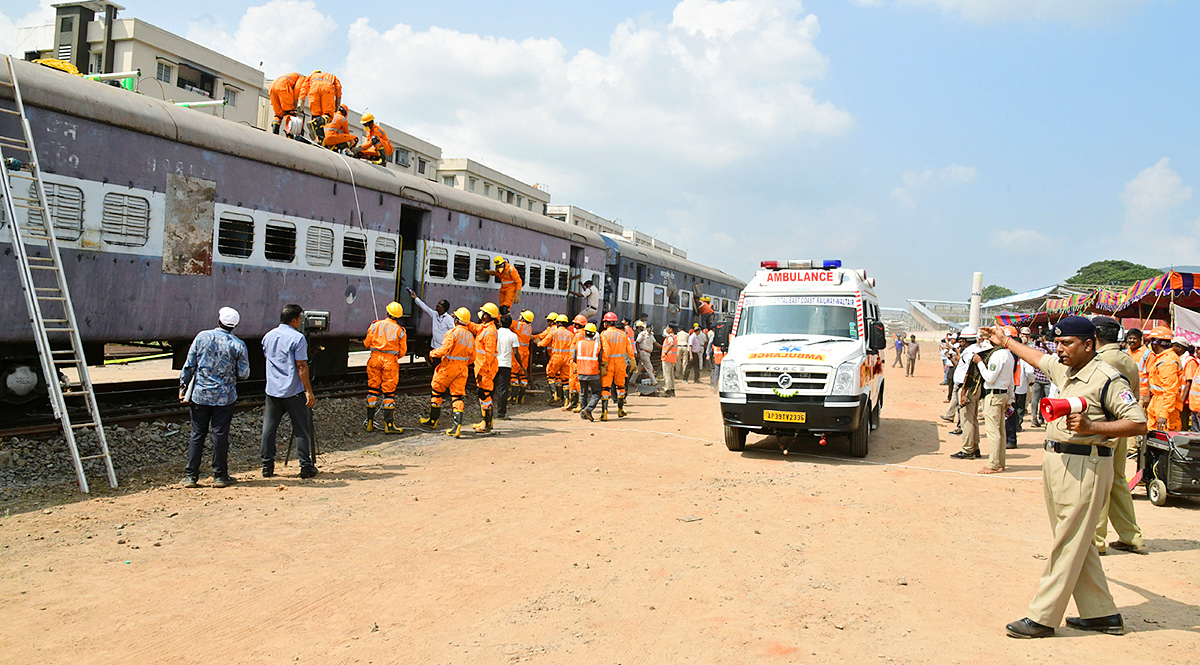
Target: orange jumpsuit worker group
column 283, row 100
column 523, row 328
column 1165, row 376
column 510, row 283
column 387, row 341
column 324, row 93
column 450, row 376
column 615, row 354
column 586, row 357
column 486, row 364
column 376, row 147
column 337, row 132
column 558, row 368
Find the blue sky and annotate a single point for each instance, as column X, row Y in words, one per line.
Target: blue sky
column 919, row 139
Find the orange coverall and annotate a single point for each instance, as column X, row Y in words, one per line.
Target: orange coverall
column 1166, row 380
column 371, row 151
column 558, row 367
column 337, row 133
column 615, row 355
column 524, row 332
column 486, row 364
column 324, row 93
column 387, row 341
column 283, row 95
column 510, row 283
column 1143, row 361
column 450, row 376
column 571, row 368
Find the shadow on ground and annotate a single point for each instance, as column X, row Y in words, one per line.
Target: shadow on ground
column 897, row 440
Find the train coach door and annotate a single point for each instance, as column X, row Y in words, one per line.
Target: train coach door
column 575, row 283
column 409, row 273
column 638, row 304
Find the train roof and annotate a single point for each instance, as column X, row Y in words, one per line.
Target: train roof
column 661, row 258
column 58, row 91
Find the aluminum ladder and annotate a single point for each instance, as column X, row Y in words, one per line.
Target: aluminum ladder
column 44, row 283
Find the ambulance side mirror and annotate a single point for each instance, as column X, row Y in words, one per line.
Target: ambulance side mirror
column 876, row 336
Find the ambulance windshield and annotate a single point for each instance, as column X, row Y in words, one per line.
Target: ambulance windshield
column 795, row 315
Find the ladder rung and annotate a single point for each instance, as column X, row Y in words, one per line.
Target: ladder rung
column 49, row 259
column 50, row 330
column 43, row 267
column 52, row 289
column 61, row 351
column 23, row 198
column 74, row 394
column 51, row 298
column 67, row 362
column 100, row 456
column 55, row 321
column 18, row 174
column 83, row 425
column 8, row 110
column 13, row 146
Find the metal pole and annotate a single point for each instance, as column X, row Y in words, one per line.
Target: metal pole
column 976, row 299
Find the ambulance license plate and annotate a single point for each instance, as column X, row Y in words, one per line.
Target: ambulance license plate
column 783, row 416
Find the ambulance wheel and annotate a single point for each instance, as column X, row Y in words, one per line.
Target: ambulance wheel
column 735, row 438
column 875, row 415
column 1156, row 491
column 858, row 438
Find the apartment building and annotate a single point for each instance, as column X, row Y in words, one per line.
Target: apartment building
column 469, row 175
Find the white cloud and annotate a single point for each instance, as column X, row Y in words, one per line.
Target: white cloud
column 988, row 11
column 914, row 181
column 1025, row 240
column 33, row 31
column 1156, row 230
column 278, row 34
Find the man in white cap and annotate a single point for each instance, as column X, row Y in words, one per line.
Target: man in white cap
column 208, row 383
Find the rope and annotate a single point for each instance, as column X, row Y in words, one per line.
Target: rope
column 370, row 280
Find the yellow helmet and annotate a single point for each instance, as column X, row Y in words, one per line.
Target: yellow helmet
column 367, row 117
column 490, row 309
column 591, row 327
column 395, row 310
column 562, row 318
column 463, row 314
column 552, row 316
column 704, row 298
column 528, row 316
column 498, row 260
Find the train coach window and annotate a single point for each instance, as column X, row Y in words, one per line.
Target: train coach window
column 462, row 266
column 235, row 235
column 279, row 242
column 318, row 249
column 660, row 296
column 66, row 209
column 354, row 251
column 685, row 300
column 385, row 254
column 520, row 266
column 125, row 220
column 564, row 280
column 551, row 278
column 535, row 276
column 626, row 291
column 439, row 262
column 482, row 265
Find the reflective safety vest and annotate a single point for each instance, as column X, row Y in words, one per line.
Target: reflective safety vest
column 670, row 349
column 718, row 355
column 1189, row 393
column 587, row 357
column 457, row 347
column 386, row 336
column 523, row 330
column 510, row 277
column 1146, row 355
column 632, row 338
column 614, row 343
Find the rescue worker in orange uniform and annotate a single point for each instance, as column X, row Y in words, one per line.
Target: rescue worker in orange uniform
column 485, row 362
column 337, row 132
column 510, row 282
column 283, row 100
column 376, row 148
column 705, row 308
column 1143, row 358
column 1188, row 360
column 324, row 94
column 450, row 376
column 523, row 327
column 1192, row 399
column 387, row 341
column 558, row 340
column 586, row 356
column 577, row 333
column 616, row 354
column 1166, row 377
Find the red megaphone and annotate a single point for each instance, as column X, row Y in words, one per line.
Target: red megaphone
column 1055, row 408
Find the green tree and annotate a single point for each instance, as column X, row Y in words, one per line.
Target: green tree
column 1113, row 273
column 993, row 291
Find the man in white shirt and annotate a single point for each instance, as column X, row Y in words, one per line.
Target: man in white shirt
column 506, row 344
column 681, row 338
column 997, row 375
column 591, row 300
column 443, row 322
column 968, row 404
column 645, row 346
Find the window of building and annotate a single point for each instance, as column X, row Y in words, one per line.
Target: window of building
column 660, row 296
column 279, row 242
column 385, row 254
column 531, row 205
column 520, row 266
column 626, row 291
column 470, row 184
column 462, row 266
column 448, row 180
column 194, row 80
column 402, row 157
column 564, row 278
column 420, row 166
column 549, row 278
column 68, row 24
column 511, row 195
column 354, row 251
column 487, row 189
column 235, row 235
column 125, row 220
column 439, row 262
column 318, row 248
column 164, row 73
column 231, row 96
column 518, row 202
column 65, row 203
column 482, row 264
column 535, row 276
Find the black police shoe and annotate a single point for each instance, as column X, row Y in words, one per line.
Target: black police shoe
column 1111, row 624
column 962, row 455
column 308, row 472
column 1028, row 628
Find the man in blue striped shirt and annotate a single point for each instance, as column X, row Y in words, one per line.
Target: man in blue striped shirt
column 215, row 363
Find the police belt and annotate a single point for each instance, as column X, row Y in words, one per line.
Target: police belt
column 392, row 353
column 995, row 391
column 1077, row 449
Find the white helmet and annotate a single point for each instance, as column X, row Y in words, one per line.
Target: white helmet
column 969, row 333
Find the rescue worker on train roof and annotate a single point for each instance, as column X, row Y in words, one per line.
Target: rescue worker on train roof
column 324, row 94
column 510, row 283
column 376, row 148
column 450, row 376
column 284, row 96
column 337, row 132
column 387, row 340
column 486, row 364
column 572, row 402
column 615, row 353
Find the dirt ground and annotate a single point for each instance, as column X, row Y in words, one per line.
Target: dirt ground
column 558, row 541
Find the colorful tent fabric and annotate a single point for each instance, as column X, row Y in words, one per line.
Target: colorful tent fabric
column 1181, row 288
column 1012, row 319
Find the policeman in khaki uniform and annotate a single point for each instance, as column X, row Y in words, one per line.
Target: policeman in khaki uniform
column 1118, row 505
column 1077, row 474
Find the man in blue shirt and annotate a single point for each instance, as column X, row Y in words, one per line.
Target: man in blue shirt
column 215, row 363
column 288, row 390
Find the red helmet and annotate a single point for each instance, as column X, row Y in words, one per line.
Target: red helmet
column 580, row 320
column 610, row 316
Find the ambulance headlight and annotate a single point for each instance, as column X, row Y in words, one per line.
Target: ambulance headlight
column 845, row 382
column 730, row 383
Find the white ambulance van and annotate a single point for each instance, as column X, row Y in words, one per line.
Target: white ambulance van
column 803, row 355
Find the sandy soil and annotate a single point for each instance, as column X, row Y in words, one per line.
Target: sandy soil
column 558, row 541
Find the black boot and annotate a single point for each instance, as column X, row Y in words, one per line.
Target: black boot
column 621, row 413
column 485, row 425
column 370, row 423
column 435, row 412
column 388, row 425
column 275, row 126
column 456, row 429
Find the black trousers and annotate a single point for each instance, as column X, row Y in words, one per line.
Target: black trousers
column 500, row 383
column 299, row 414
column 207, row 419
column 693, row 366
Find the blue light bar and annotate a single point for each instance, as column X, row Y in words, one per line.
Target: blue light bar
column 832, row 263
